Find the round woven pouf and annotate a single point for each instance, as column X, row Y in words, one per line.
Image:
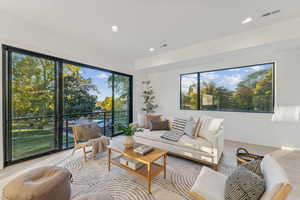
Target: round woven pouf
column 94, row 196
column 45, row 183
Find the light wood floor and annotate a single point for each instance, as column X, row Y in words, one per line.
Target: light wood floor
column 290, row 160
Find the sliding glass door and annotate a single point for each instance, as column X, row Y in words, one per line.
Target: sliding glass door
column 87, row 97
column 122, row 95
column 44, row 96
column 31, row 115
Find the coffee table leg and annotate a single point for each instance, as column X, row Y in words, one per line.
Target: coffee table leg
column 149, row 178
column 109, row 158
column 165, row 166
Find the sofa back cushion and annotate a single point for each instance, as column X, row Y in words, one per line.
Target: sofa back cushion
column 274, row 176
column 209, row 125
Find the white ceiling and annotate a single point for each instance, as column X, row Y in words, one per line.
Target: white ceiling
column 147, row 23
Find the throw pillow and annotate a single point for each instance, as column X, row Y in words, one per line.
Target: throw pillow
column 243, row 184
column 254, row 166
column 197, row 127
column 157, row 125
column 179, row 124
column 204, row 129
column 209, row 126
column 189, row 128
column 150, row 117
column 141, row 120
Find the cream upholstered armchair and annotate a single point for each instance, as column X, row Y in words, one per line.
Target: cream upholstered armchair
column 210, row 185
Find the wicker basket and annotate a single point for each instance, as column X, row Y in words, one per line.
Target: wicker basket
column 243, row 156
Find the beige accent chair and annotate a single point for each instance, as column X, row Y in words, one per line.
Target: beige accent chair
column 82, row 134
column 210, row 185
column 45, row 183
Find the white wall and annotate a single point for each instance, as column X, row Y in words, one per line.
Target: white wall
column 19, row 33
column 245, row 127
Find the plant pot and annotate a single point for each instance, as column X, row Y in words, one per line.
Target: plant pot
column 128, row 141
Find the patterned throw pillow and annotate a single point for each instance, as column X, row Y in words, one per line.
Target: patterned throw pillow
column 157, row 125
column 179, row 125
column 254, row 166
column 243, row 184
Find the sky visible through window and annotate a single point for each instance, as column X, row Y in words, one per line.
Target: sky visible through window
column 238, row 89
column 99, row 79
column 230, row 78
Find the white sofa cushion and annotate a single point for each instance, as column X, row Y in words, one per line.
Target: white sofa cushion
column 210, row 184
column 274, row 176
column 185, row 141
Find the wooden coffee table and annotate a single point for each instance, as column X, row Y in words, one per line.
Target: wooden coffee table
column 148, row 171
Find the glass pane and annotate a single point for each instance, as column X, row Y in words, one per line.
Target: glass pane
column 87, row 97
column 121, row 100
column 33, row 105
column 241, row 89
column 189, row 90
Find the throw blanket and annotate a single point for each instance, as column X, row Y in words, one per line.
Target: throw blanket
column 172, row 135
column 99, row 145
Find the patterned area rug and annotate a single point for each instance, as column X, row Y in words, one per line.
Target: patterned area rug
column 93, row 176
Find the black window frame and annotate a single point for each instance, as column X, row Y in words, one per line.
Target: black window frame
column 6, row 94
column 222, row 69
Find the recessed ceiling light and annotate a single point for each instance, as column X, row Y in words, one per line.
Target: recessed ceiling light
column 114, row 28
column 247, row 20
column 151, row 49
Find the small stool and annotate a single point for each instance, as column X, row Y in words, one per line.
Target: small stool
column 94, row 196
column 45, row 183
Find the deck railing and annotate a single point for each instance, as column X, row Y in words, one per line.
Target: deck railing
column 33, row 135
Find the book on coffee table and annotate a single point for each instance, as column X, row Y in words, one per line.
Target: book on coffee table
column 143, row 149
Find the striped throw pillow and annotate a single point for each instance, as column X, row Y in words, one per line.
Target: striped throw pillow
column 179, row 124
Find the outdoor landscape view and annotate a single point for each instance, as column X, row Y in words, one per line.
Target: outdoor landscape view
column 87, row 95
column 248, row 89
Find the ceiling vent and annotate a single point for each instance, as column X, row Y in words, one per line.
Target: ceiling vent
column 270, row 13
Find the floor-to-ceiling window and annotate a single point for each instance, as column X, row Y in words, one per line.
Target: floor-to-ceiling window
column 122, row 90
column 32, row 105
column 44, row 96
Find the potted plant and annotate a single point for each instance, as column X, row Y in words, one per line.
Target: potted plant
column 149, row 98
column 128, row 132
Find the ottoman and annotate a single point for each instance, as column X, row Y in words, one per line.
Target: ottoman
column 45, row 183
column 94, row 196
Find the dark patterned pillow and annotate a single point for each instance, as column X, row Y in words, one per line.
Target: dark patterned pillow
column 158, row 125
column 243, row 184
column 254, row 166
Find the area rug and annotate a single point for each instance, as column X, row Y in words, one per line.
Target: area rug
column 93, row 177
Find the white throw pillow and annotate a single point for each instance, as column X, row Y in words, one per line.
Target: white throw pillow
column 274, row 176
column 210, row 184
column 141, row 119
column 209, row 126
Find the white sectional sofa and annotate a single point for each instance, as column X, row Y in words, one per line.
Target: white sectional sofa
column 198, row 149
